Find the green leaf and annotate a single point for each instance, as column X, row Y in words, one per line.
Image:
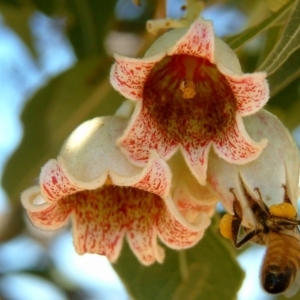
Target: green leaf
column 207, row 271
column 240, row 39
column 286, row 105
column 78, row 94
column 285, row 74
column 274, row 5
column 88, row 24
column 287, row 44
column 48, row 7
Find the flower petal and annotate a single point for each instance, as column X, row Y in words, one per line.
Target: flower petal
column 195, row 211
column 141, row 136
column 142, row 228
column 198, row 41
column 191, row 201
column 44, row 215
column 250, row 90
column 90, row 153
column 54, row 183
column 98, row 222
column 175, row 235
column 144, row 245
column 196, row 158
column 235, row 145
column 156, row 177
column 274, row 172
column 128, row 75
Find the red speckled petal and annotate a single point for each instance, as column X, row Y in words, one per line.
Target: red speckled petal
column 174, row 234
column 198, row 41
column 144, row 245
column 142, row 232
column 157, row 177
column 128, row 76
column 142, row 135
column 196, row 157
column 51, row 217
column 54, row 182
column 251, row 92
column 99, row 222
column 236, row 146
column 103, row 216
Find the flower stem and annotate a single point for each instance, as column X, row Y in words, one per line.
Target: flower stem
column 183, row 265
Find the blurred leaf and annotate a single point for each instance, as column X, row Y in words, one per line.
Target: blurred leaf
column 11, row 223
column 78, row 94
column 240, row 39
column 288, row 43
column 212, row 272
column 275, row 4
column 270, row 39
column 88, row 24
column 48, row 7
column 285, row 105
column 15, row 3
column 17, row 18
column 285, row 74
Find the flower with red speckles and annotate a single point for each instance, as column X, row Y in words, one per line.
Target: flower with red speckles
column 190, row 94
column 106, row 197
column 272, row 178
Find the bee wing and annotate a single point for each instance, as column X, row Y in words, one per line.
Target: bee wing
column 294, row 287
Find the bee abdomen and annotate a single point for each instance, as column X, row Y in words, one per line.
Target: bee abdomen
column 281, row 262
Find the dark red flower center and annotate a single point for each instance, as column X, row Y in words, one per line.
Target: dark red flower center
column 187, row 97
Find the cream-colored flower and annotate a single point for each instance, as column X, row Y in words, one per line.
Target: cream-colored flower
column 273, row 176
column 191, row 95
column 108, row 198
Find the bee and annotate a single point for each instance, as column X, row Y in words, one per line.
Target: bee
column 276, row 228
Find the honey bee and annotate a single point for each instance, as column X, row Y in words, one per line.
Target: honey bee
column 276, row 228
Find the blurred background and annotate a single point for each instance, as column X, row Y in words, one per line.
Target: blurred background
column 55, row 57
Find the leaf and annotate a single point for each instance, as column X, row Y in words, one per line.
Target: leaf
column 88, row 24
column 285, row 74
column 78, row 94
column 274, row 5
column 287, row 44
column 286, row 105
column 211, row 272
column 240, row 39
column 48, row 7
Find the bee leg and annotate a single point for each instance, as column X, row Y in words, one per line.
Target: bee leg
column 235, row 230
column 259, row 208
column 236, row 224
column 261, row 201
column 247, row 237
column 286, row 197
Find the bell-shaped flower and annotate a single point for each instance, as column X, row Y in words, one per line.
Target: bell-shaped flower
column 191, row 94
column 272, row 178
column 106, row 197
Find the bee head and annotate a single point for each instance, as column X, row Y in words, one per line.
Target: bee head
column 276, row 279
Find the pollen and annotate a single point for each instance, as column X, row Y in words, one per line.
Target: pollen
column 284, row 209
column 188, row 89
column 225, row 226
